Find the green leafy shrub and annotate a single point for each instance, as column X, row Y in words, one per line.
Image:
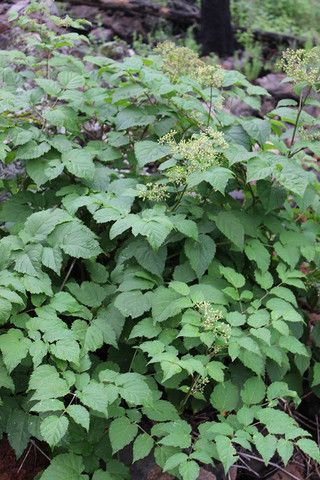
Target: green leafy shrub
column 140, row 301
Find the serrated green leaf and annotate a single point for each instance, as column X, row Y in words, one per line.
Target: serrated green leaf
column 88, row 293
column 310, row 448
column 189, row 470
column 133, row 117
column 148, row 151
column 142, row 446
column 64, row 466
column 47, row 383
column 161, row 411
column 200, row 253
column 76, row 240
column 174, row 461
column 121, row 433
column 215, row 370
column 79, row 163
column 70, row 80
column 98, row 396
column 233, row 277
column 266, row 446
column 167, row 303
column 226, row 452
column 14, row 348
column 132, row 304
column 253, row 391
column 225, row 397
column 229, row 224
column 256, row 251
column 80, row 415
column 285, row 449
column 54, row 428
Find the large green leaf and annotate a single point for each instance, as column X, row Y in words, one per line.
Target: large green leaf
column 76, row 240
column 148, row 151
column 79, row 162
column 229, row 224
column 53, row 429
column 121, row 433
column 200, row 253
column 167, row 303
column 64, row 466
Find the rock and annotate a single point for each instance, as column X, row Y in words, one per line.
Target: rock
column 22, row 4
column 228, row 63
column 237, row 195
column 273, row 83
column 239, row 108
column 205, row 475
column 101, row 35
column 115, row 50
column 126, row 27
column 18, row 6
column 157, row 474
column 84, row 11
column 268, row 104
column 233, row 473
column 11, row 170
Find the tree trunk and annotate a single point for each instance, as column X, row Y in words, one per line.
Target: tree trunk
column 216, row 31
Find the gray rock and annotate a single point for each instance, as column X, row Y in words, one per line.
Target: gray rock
column 116, row 50
column 101, row 35
column 11, row 170
column 205, row 475
column 273, row 82
column 239, row 108
column 21, row 5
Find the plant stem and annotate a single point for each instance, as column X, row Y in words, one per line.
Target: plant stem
column 302, row 102
column 210, row 106
column 188, row 395
column 176, row 204
column 67, row 274
column 132, row 360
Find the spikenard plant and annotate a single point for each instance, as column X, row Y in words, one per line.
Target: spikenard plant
column 150, row 263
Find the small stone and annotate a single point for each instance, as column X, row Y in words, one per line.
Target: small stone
column 101, row 35
column 239, row 108
column 157, row 474
column 205, row 475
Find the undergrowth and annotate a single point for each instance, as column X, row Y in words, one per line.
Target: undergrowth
column 151, row 280
column 298, row 17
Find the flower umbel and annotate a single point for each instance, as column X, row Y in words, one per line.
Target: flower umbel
column 155, row 192
column 199, row 153
column 210, row 316
column 180, row 61
column 302, row 66
column 200, row 385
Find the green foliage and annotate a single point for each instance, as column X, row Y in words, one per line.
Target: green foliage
column 299, row 17
column 134, row 289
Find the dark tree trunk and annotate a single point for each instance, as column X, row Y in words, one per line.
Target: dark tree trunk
column 216, row 31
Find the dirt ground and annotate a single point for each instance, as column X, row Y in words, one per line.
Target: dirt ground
column 27, row 467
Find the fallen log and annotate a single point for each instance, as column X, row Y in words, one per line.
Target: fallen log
column 274, row 37
column 180, row 12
